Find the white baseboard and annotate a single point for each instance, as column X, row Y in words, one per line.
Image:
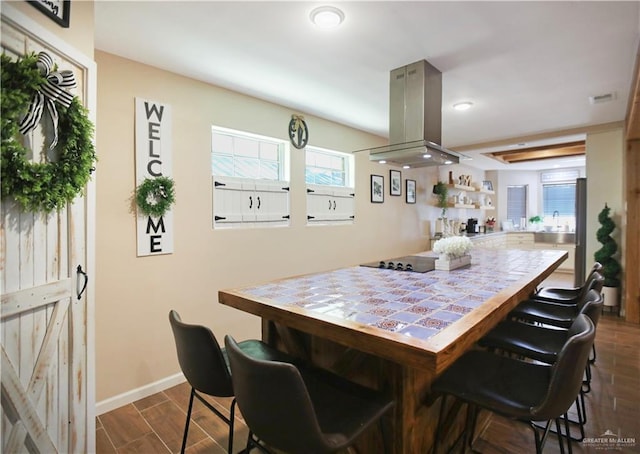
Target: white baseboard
column 139, row 393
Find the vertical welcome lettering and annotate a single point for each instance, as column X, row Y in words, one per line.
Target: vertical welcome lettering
column 153, row 159
column 153, row 128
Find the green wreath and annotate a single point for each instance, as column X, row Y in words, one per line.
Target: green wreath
column 155, row 196
column 49, row 185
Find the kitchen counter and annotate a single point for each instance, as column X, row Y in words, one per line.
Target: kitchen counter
column 477, row 235
column 496, row 239
column 393, row 329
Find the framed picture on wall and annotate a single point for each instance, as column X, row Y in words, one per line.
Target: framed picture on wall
column 410, row 191
column 395, row 187
column 377, row 189
column 57, row 10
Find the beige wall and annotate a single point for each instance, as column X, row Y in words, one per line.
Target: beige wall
column 605, row 152
column 134, row 345
column 81, row 23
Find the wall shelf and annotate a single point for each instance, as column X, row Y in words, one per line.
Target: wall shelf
column 470, row 189
column 461, row 205
column 461, row 187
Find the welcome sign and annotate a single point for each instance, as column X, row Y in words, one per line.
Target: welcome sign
column 153, row 160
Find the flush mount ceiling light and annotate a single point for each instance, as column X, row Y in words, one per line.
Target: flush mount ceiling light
column 326, row 17
column 463, row 105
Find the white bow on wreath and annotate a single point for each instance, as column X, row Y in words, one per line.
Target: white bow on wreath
column 52, row 91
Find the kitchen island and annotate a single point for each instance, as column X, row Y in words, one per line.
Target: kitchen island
column 395, row 330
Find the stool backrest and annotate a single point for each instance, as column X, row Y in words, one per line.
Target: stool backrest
column 597, row 267
column 201, row 358
column 592, row 306
column 594, row 282
column 275, row 402
column 567, row 372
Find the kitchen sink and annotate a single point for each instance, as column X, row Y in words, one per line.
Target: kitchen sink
column 555, row 237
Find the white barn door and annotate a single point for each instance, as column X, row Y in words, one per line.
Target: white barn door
column 47, row 393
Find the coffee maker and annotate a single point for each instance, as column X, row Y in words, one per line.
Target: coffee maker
column 472, row 225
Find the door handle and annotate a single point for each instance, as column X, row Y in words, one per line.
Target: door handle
column 250, row 202
column 79, row 290
column 258, row 202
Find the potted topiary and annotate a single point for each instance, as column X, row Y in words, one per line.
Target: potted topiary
column 605, row 255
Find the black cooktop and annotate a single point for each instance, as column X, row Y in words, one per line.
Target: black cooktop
column 415, row 263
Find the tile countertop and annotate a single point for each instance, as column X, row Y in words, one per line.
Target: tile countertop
column 415, row 305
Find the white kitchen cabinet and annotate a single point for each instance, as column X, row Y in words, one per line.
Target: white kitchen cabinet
column 330, row 204
column 244, row 201
column 520, row 240
column 569, row 264
column 491, row 240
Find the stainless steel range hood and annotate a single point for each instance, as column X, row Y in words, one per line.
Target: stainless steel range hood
column 415, row 119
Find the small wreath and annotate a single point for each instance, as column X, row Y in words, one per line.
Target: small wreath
column 155, row 196
column 48, row 185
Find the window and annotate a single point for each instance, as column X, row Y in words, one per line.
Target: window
column 249, row 179
column 517, row 204
column 245, row 155
column 559, row 204
column 326, row 167
column 330, row 193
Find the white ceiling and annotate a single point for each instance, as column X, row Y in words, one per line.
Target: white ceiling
column 528, row 67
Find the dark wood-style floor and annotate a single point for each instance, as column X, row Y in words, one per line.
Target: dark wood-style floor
column 155, row 424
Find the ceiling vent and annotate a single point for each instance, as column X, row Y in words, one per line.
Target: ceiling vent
column 598, row 99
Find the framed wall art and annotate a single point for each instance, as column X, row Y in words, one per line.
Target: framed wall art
column 410, row 191
column 57, row 10
column 377, row 189
column 395, row 187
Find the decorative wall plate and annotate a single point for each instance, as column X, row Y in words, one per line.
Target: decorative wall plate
column 298, row 132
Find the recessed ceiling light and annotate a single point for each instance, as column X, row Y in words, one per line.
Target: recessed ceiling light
column 448, row 162
column 382, row 161
column 326, row 17
column 426, row 156
column 463, row 105
column 406, row 167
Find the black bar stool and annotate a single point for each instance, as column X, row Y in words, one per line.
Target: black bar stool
column 519, row 390
column 301, row 409
column 205, row 366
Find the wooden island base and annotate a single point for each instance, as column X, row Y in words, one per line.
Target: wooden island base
column 411, row 426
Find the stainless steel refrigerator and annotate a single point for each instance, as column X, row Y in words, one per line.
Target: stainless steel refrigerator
column 581, row 231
